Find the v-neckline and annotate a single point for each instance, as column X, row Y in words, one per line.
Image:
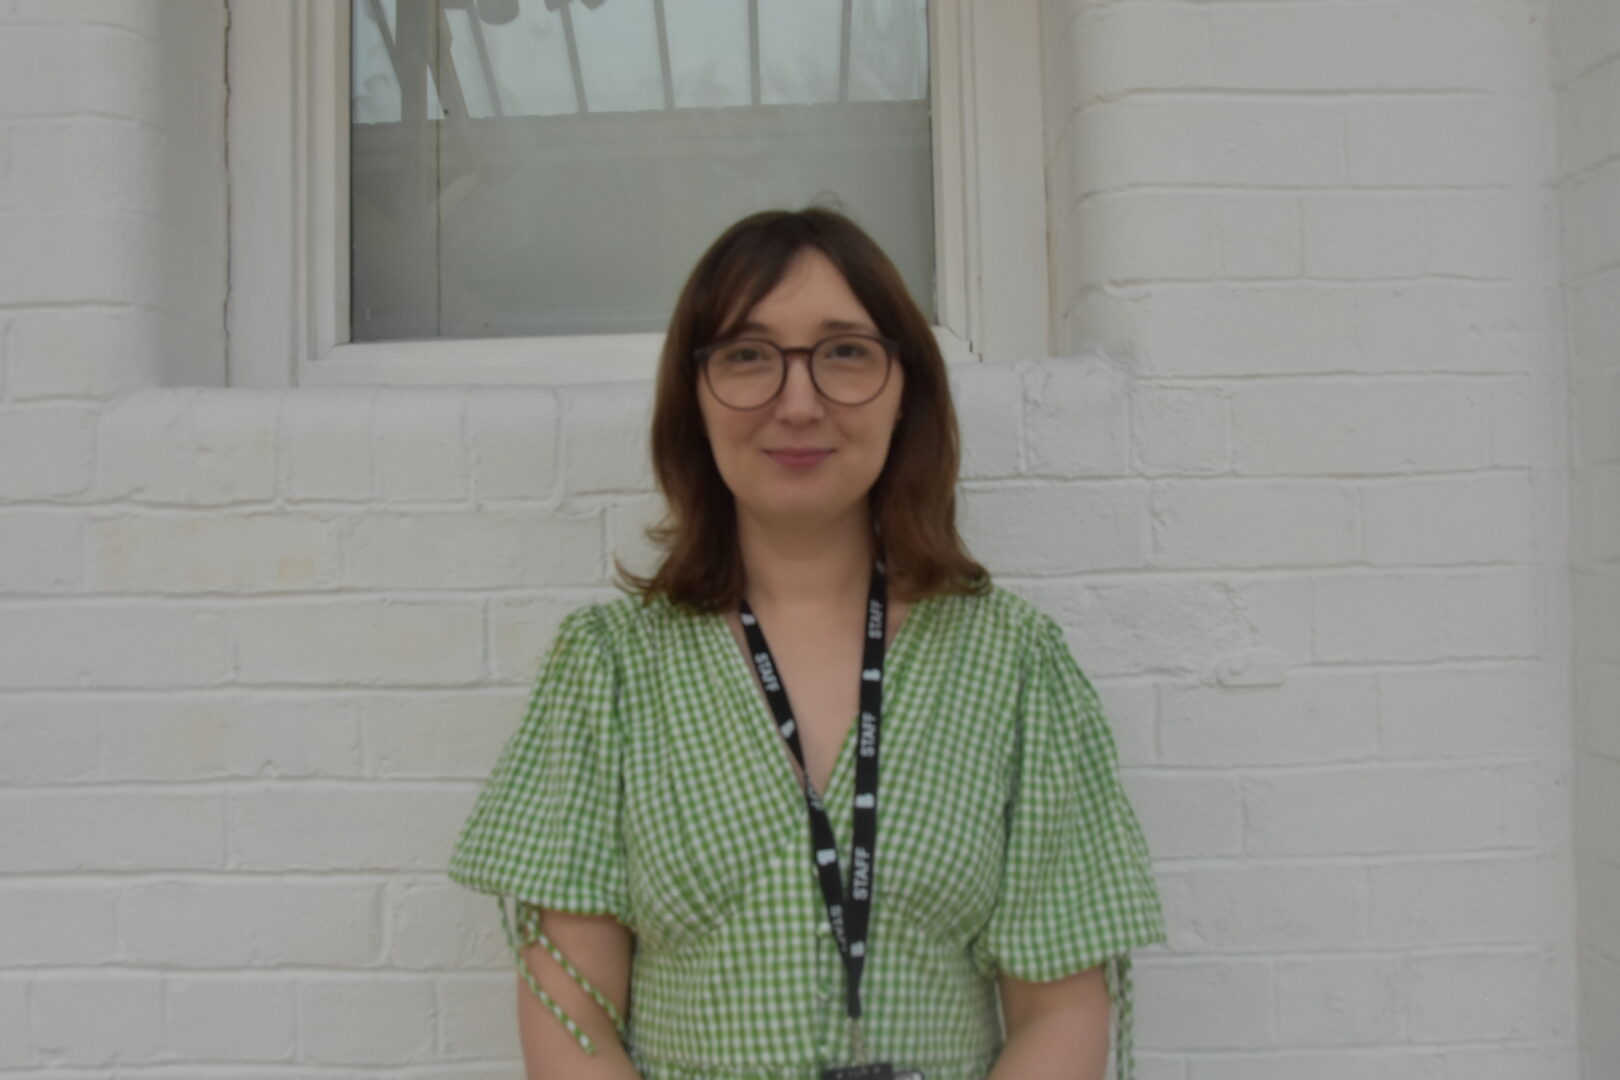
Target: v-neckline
column 742, row 679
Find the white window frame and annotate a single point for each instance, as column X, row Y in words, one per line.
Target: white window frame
column 287, row 130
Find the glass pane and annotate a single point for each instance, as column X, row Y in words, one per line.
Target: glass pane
column 799, row 50
column 708, row 48
column 556, row 166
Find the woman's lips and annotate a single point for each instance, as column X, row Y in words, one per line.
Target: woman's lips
column 796, row 460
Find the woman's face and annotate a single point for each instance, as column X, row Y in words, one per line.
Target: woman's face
column 811, row 302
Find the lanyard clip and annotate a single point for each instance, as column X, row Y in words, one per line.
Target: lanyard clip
column 857, row 1043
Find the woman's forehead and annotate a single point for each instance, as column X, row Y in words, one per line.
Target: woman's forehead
column 813, row 287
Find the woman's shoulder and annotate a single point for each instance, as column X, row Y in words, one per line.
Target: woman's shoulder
column 997, row 611
column 629, row 626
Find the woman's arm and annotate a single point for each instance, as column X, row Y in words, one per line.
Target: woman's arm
column 599, row 947
column 1056, row 1030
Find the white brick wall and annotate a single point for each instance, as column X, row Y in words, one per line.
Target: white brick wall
column 1587, row 74
column 1301, row 461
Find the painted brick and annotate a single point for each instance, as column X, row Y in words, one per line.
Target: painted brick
column 351, row 643
column 1252, row 523
column 487, row 549
column 1250, row 141
column 1140, row 626
column 46, row 451
column 1237, row 329
column 1369, row 810
column 41, row 551
column 479, row 1019
column 1187, row 813
column 1180, row 429
column 417, row 445
column 987, row 402
column 1075, row 418
column 1414, row 616
column 60, row 1005
column 1442, row 520
column 232, row 553
column 1151, row 236
column 1470, row 141
column 1458, row 901
column 1590, row 198
column 46, row 740
column 200, row 448
column 106, row 644
column 1340, row 1063
column 377, row 827
column 428, row 735
column 231, row 1020
column 48, row 831
column 513, row 438
column 1361, row 236
column 52, row 924
column 1273, row 909
column 250, row 922
column 1045, row 529
column 1341, row 1000
column 439, row 925
column 1371, row 427
column 1596, row 686
column 367, row 1021
column 522, row 629
column 605, row 432
column 16, row 1044
column 1262, row 234
column 1444, row 713
column 1468, row 996
column 1410, row 45
column 1483, row 235
column 1312, row 718
column 1443, row 326
column 103, row 164
column 225, row 737
column 80, row 351
column 1597, row 801
column 1204, row 1005
column 1118, row 48
column 626, row 522
column 324, row 444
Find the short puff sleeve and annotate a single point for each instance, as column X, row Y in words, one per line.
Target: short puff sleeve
column 1078, row 886
column 546, row 828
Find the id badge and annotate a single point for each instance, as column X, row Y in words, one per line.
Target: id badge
column 880, row 1070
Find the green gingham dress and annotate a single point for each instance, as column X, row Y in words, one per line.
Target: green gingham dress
column 648, row 781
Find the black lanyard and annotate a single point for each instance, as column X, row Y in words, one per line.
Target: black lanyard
column 849, row 924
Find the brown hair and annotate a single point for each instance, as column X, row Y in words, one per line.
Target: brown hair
column 913, row 500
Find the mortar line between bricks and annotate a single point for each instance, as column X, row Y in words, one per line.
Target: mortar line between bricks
column 1145, row 770
column 124, row 879
column 358, row 785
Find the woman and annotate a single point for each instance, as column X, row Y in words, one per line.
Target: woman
column 691, row 908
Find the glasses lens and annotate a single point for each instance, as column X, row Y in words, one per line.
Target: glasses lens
column 850, row 370
column 744, row 374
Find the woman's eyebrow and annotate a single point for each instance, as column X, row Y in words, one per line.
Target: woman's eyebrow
column 755, row 327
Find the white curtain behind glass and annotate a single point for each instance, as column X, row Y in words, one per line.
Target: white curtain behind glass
column 556, row 166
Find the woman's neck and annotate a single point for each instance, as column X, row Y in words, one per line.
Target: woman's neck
column 791, row 566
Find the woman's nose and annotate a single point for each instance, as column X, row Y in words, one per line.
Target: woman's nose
column 799, row 391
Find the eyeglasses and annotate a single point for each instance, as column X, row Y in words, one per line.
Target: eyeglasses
column 846, row 369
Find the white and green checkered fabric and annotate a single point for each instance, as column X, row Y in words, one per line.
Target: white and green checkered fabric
column 648, row 781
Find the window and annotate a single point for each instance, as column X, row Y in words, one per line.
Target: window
column 961, row 169
column 555, row 167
